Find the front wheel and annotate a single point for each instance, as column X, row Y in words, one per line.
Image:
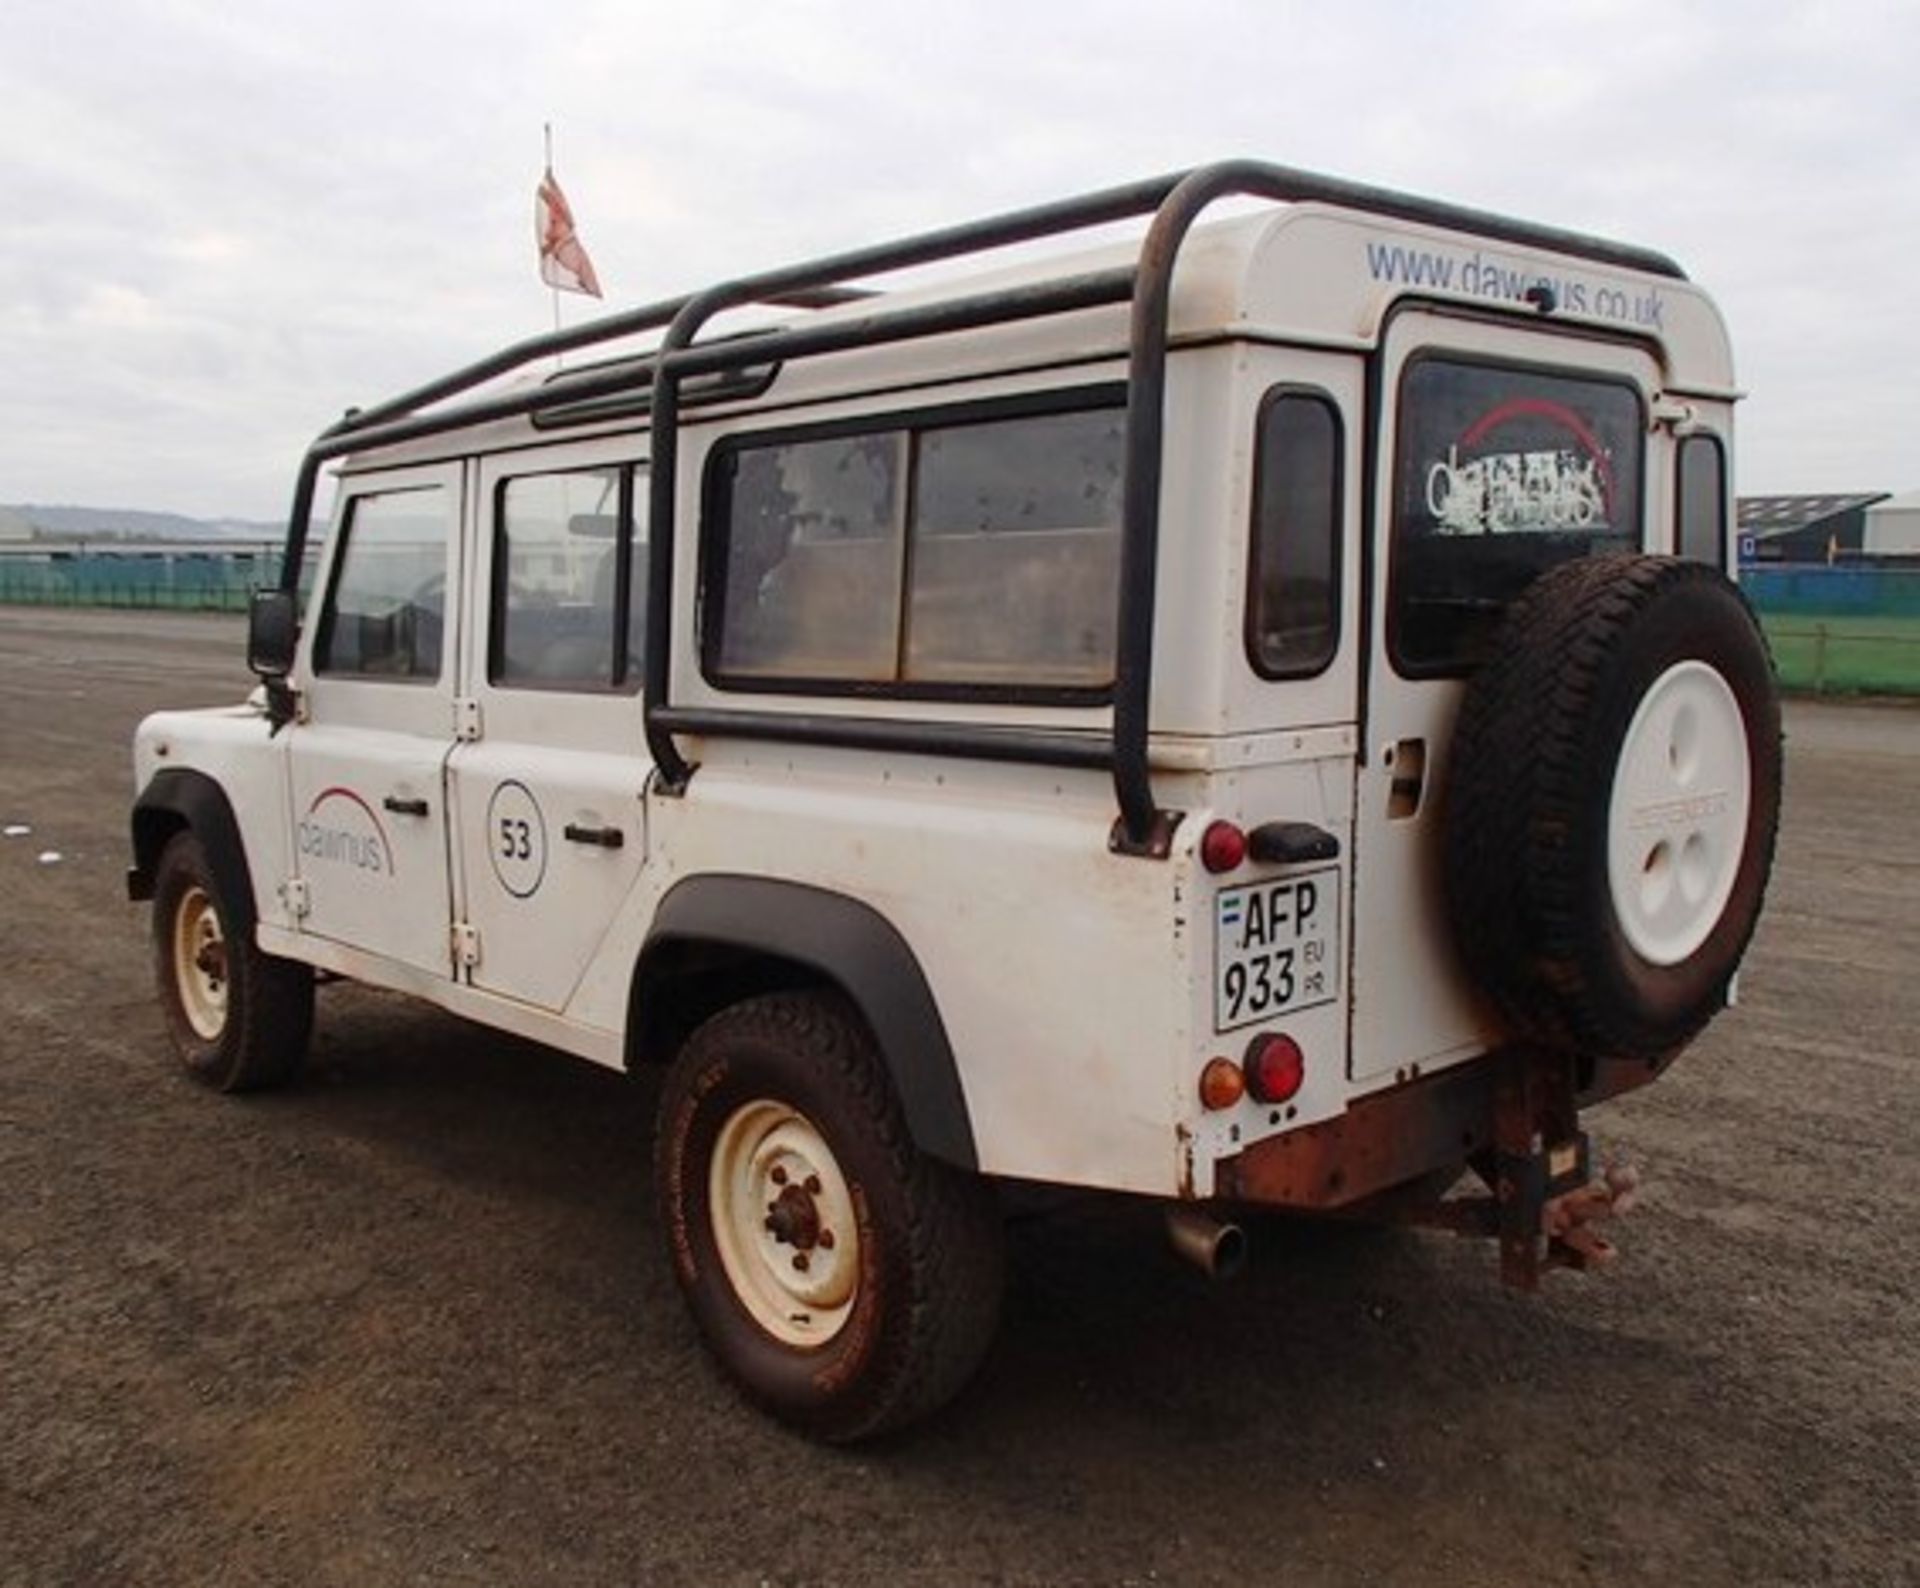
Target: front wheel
column 847, row 1283
column 239, row 1018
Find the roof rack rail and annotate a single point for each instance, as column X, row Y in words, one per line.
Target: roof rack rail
column 1174, row 201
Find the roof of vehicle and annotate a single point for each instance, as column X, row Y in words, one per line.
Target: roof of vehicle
column 1311, row 273
column 1325, row 268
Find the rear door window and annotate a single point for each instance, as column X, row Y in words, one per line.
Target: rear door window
column 1502, row 471
column 569, row 576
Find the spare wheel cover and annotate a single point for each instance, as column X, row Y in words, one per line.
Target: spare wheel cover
column 1677, row 823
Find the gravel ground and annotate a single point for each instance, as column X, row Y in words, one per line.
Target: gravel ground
column 410, row 1322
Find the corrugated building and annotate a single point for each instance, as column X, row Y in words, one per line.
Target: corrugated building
column 1893, row 527
column 1823, row 528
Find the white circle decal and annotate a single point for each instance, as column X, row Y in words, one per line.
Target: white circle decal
column 517, row 839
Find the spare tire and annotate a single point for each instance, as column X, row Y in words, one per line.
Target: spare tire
column 1611, row 801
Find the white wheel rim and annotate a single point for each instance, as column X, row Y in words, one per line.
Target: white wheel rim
column 1677, row 824
column 200, row 964
column 783, row 1222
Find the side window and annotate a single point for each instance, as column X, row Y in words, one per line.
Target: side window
column 1015, row 568
column 385, row 615
column 1502, row 471
column 812, row 565
column 1700, row 501
column 921, row 558
column 1293, row 581
column 569, row 577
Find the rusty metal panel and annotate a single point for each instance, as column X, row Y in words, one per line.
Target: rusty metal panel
column 1380, row 1142
column 1391, row 1137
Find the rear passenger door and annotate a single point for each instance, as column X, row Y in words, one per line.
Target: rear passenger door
column 548, row 798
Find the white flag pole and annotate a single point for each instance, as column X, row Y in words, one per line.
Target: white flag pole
column 546, row 128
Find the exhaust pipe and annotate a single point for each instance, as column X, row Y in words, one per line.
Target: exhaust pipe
column 1218, row 1250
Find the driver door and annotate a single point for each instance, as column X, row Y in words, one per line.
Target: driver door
column 368, row 755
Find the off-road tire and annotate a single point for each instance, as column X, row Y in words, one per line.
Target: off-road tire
column 1530, row 784
column 930, row 1259
column 255, row 1035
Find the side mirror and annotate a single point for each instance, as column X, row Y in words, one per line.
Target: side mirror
column 273, row 633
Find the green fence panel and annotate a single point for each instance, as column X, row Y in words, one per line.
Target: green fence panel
column 182, row 581
column 1841, row 630
column 1835, row 655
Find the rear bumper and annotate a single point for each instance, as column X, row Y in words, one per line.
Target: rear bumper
column 1392, row 1137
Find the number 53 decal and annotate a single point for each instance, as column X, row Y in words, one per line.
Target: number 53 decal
column 519, row 839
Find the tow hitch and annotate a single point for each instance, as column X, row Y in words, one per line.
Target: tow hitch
column 1514, row 1119
column 1568, row 1219
column 1543, row 1195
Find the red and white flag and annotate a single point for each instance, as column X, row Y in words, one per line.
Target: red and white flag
column 563, row 262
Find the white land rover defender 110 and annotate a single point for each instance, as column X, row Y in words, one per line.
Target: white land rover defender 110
column 1255, row 717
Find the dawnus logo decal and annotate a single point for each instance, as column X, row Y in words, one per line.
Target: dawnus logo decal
column 341, row 829
column 1479, row 490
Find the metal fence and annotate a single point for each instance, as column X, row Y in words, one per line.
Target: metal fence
column 1841, row 630
column 193, row 581
column 1832, row 656
column 1845, row 590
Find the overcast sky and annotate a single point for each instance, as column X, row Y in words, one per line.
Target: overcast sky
column 229, row 219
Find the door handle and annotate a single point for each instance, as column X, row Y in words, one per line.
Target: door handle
column 602, row 837
column 400, row 807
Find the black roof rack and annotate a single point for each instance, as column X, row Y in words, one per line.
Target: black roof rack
column 1174, row 201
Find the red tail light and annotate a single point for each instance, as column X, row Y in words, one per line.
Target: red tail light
column 1274, row 1068
column 1223, row 847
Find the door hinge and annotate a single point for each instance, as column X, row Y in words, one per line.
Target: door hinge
column 466, row 945
column 1682, row 418
column 294, row 892
column 466, row 718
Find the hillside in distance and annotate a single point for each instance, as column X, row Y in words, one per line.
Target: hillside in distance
column 127, row 523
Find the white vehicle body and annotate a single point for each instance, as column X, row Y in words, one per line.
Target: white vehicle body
column 505, row 846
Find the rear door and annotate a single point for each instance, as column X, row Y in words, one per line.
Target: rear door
column 549, row 807
column 1503, row 451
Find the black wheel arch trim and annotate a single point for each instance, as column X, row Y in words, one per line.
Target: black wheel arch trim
column 855, row 947
column 177, row 796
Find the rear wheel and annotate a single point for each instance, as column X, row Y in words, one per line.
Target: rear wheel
column 239, row 1018
column 848, row 1284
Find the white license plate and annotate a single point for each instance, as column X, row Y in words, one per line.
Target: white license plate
column 1276, row 948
